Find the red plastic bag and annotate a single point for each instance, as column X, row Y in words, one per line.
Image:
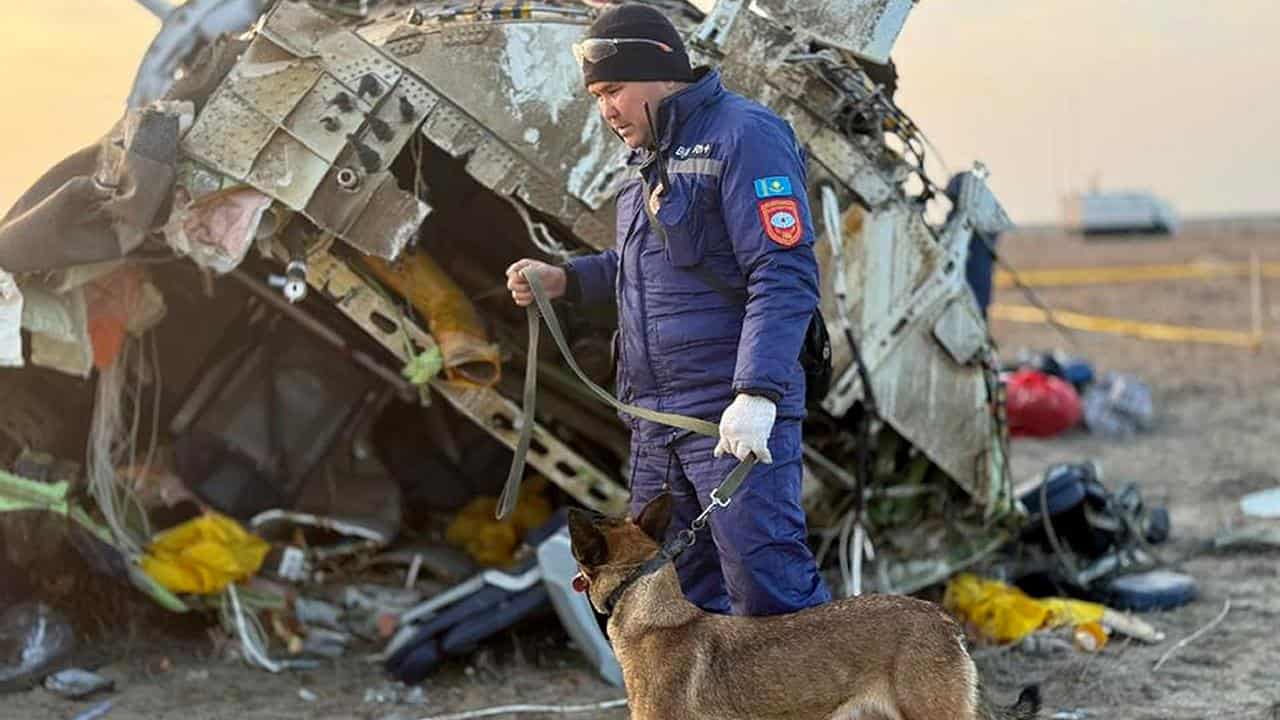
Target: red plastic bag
column 1040, row 405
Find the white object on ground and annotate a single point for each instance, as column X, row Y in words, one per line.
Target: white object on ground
column 1134, row 627
column 555, row 558
column 1262, row 504
column 75, row 683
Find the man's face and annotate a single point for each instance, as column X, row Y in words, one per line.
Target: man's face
column 621, row 104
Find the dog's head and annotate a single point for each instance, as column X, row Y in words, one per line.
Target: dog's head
column 608, row 548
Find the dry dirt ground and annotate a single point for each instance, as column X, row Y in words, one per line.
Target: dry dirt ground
column 1217, row 436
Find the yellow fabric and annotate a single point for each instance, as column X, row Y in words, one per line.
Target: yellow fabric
column 493, row 542
column 203, row 555
column 451, row 317
column 1005, row 614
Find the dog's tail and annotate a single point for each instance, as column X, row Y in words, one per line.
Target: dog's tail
column 1026, row 708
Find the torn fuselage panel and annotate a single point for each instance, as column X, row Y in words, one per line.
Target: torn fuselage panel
column 313, row 116
column 377, row 315
column 530, row 129
column 866, row 28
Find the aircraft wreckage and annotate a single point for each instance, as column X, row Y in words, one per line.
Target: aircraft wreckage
column 283, row 268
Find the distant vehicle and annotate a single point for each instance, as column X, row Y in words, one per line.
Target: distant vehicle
column 1118, row 213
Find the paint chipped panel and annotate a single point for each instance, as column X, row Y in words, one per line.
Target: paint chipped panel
column 540, row 77
column 312, row 109
column 600, row 171
column 228, row 134
column 941, row 407
column 532, row 101
column 867, row 28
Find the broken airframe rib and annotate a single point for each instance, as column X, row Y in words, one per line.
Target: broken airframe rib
column 500, row 417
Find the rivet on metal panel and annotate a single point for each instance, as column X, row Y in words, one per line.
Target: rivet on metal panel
column 350, row 58
column 229, row 134
column 405, row 46
column 416, row 99
column 287, row 171
column 466, row 33
column 490, row 165
column 348, row 179
column 451, row 130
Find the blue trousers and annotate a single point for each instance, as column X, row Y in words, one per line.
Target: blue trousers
column 755, row 560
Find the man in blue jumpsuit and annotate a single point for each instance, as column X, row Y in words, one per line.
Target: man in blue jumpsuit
column 712, row 312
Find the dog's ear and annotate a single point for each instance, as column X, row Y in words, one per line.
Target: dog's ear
column 656, row 516
column 590, row 548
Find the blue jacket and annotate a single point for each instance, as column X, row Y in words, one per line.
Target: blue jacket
column 738, row 207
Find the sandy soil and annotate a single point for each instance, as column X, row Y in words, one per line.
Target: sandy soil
column 1216, row 438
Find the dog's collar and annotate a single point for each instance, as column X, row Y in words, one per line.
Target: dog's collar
column 668, row 552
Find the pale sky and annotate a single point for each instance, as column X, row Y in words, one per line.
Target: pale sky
column 1176, row 96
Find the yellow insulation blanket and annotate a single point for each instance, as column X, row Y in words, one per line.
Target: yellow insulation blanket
column 451, row 318
column 1005, row 614
column 493, row 542
column 203, row 555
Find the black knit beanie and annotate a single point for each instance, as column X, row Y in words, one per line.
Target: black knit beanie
column 638, row 61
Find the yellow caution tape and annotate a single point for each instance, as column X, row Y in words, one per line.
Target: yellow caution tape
column 1130, row 274
column 1120, row 326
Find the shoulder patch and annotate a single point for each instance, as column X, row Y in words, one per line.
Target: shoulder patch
column 781, row 220
column 776, row 186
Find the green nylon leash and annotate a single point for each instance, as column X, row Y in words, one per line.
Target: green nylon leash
column 511, row 491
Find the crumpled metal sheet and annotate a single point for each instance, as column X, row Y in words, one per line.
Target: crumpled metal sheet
column 912, row 315
column 961, row 331
column 99, row 203
column 313, row 117
column 530, row 130
column 978, row 207
column 181, row 31
column 866, row 28
column 750, row 51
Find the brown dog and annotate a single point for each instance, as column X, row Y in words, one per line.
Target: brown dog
column 881, row 656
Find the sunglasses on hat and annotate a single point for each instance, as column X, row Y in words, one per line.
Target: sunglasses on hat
column 593, row 50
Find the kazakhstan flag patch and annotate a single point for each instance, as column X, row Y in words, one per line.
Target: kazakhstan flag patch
column 769, row 187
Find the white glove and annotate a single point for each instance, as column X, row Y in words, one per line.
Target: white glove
column 745, row 428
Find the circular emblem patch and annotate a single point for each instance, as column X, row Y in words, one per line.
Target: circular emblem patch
column 781, row 220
